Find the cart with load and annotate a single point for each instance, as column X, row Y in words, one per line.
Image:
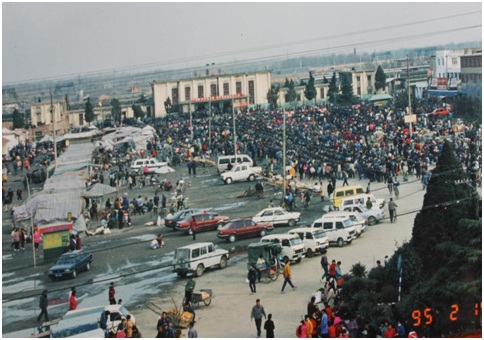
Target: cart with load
column 204, row 295
column 269, row 252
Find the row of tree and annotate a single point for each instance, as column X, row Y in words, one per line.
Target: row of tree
column 337, row 95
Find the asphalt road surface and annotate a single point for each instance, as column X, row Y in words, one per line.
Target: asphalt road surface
column 143, row 275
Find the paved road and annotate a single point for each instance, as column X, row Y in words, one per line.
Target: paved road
column 141, row 274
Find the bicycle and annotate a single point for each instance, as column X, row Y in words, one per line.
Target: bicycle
column 269, row 274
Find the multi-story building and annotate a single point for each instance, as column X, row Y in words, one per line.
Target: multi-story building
column 471, row 72
column 215, row 90
column 44, row 116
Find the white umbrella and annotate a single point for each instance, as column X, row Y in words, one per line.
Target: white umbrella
column 164, row 170
column 98, row 190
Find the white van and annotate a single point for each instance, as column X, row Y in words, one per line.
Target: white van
column 359, row 222
column 292, row 247
column 361, row 199
column 223, row 161
column 338, row 229
column 315, row 240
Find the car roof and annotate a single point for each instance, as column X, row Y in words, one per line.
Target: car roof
column 196, row 245
column 277, row 236
column 304, row 229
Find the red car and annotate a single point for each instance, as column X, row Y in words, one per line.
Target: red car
column 440, row 111
column 242, row 228
column 205, row 221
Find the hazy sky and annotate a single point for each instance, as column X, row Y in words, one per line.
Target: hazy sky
column 47, row 40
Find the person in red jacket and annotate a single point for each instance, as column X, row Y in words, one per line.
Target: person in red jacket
column 73, row 301
column 332, row 268
column 390, row 332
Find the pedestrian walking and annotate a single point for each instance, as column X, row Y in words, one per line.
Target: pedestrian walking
column 345, row 178
column 287, row 277
column 324, row 264
column 19, row 194
column 43, row 303
column 256, row 314
column 73, row 301
column 111, row 294
column 16, row 239
column 23, row 238
column 269, row 327
column 193, row 227
column 392, row 208
column 252, row 277
column 37, row 238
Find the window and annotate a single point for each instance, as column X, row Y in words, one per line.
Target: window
column 210, row 248
column 226, row 89
column 339, row 225
column 267, row 213
column 213, row 90
column 454, row 61
column 285, row 243
column 328, row 225
column 81, row 119
column 238, row 87
column 195, row 253
column 203, row 251
column 251, row 92
column 174, row 96
column 309, row 236
column 200, row 91
column 348, row 192
column 187, row 93
column 322, row 93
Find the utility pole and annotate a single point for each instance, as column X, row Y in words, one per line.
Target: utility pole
column 210, row 122
column 283, row 151
column 235, row 135
column 52, row 114
column 31, row 221
column 409, row 99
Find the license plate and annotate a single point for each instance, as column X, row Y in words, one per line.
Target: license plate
column 299, row 255
column 58, row 275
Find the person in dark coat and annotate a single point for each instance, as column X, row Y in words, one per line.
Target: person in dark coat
column 269, row 326
column 43, row 303
column 252, row 277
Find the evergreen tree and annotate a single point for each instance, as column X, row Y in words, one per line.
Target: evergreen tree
column 291, row 94
column 138, row 113
column 310, row 91
column 286, row 83
column 18, row 120
column 445, row 203
column 89, row 115
column 272, row 95
column 346, row 97
column 116, row 110
column 325, row 81
column 167, row 104
column 142, row 99
column 380, row 79
column 333, row 89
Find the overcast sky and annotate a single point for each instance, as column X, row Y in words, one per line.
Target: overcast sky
column 48, row 40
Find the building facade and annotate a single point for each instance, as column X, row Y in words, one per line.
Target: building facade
column 45, row 116
column 216, row 91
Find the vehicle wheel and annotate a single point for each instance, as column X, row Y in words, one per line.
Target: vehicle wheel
column 274, row 276
column 263, row 233
column 74, row 273
column 223, row 262
column 309, row 253
column 340, row 242
column 228, row 180
column 349, row 242
column 207, row 302
column 299, row 260
column 292, row 222
column 170, row 319
column 199, row 271
column 232, row 238
column 265, row 277
column 371, row 220
column 88, row 266
column 181, row 275
column 251, row 178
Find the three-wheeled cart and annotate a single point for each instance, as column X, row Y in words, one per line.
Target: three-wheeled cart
column 268, row 251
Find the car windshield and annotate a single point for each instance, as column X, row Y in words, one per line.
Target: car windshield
column 182, row 254
column 296, row 241
column 66, row 260
column 319, row 234
column 347, row 223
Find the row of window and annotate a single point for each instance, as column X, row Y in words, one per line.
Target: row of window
column 471, row 77
column 471, row 62
column 214, row 91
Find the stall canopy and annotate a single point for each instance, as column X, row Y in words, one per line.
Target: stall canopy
column 98, row 190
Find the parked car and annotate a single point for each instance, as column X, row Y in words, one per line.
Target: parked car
column 243, row 228
column 338, row 229
column 170, row 222
column 373, row 215
column 68, row 264
column 314, row 239
column 359, row 222
column 292, row 247
column 277, row 216
column 195, row 258
column 153, row 164
column 205, row 221
column 440, row 111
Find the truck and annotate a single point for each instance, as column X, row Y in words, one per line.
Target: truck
column 241, row 172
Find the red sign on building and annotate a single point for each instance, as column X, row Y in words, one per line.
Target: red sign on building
column 441, row 83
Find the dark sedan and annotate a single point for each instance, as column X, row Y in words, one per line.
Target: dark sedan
column 68, row 264
column 243, row 228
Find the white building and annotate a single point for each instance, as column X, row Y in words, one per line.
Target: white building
column 244, row 89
